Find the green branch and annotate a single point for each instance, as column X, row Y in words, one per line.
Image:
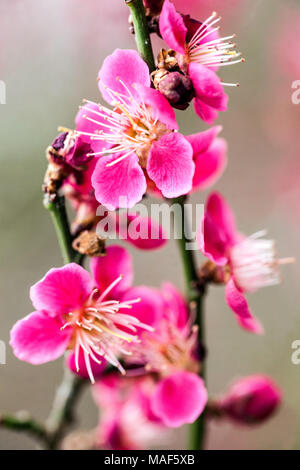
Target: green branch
column 59, row 216
column 142, row 36
column 194, row 293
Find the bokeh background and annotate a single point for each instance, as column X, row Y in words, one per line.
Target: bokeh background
column 49, row 57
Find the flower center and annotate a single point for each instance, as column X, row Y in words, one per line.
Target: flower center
column 170, row 349
column 206, row 48
column 101, row 329
column 128, row 128
column 254, row 263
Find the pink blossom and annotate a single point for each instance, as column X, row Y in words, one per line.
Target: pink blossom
column 81, row 313
column 137, row 137
column 200, row 52
column 251, row 400
column 124, row 409
column 170, row 351
column 251, row 262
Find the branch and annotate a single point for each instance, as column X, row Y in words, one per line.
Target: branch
column 142, row 36
column 59, row 216
column 23, row 422
column 62, row 413
column 195, row 293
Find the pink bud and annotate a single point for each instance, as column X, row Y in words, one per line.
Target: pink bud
column 251, row 400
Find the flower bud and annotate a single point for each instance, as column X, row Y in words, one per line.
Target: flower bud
column 154, row 6
column 177, row 88
column 251, row 400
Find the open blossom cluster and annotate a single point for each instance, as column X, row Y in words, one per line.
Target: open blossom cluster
column 119, row 151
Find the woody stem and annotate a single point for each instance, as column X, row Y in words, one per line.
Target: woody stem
column 142, row 36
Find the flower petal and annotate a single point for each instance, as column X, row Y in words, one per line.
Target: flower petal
column 150, row 308
column 179, row 399
column 176, row 310
column 203, row 140
column 160, row 107
column 205, row 112
column 239, row 305
column 84, row 124
column 209, row 166
column 106, row 269
column 208, row 87
column 62, row 290
column 38, row 338
column 120, row 185
column 142, row 232
column 123, row 66
column 217, row 232
column 172, row 27
column 170, row 165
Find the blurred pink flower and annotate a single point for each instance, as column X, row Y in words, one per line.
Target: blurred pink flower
column 137, row 134
column 124, row 409
column 79, row 312
column 251, row 261
column 251, row 400
column 171, row 351
column 200, row 51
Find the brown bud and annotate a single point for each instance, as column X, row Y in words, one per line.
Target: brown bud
column 177, row 88
column 89, row 243
column 54, row 177
column 210, row 273
column 167, row 60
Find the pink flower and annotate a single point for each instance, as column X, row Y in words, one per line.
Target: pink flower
column 82, row 313
column 251, row 400
column 200, row 51
column 251, row 262
column 124, row 409
column 137, row 136
column 170, row 351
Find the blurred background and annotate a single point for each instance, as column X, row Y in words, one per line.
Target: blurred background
column 50, row 54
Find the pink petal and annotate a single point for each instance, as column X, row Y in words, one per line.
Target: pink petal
column 208, row 87
column 85, row 125
column 172, row 27
column 106, row 269
column 38, row 338
column 127, row 66
column 176, row 310
column 142, row 232
column 97, row 369
column 62, row 290
column 160, row 107
column 150, row 308
column 203, row 140
column 170, row 165
column 239, row 305
column 217, row 233
column 209, row 166
column 120, row 185
column 205, row 112
column 179, row 399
